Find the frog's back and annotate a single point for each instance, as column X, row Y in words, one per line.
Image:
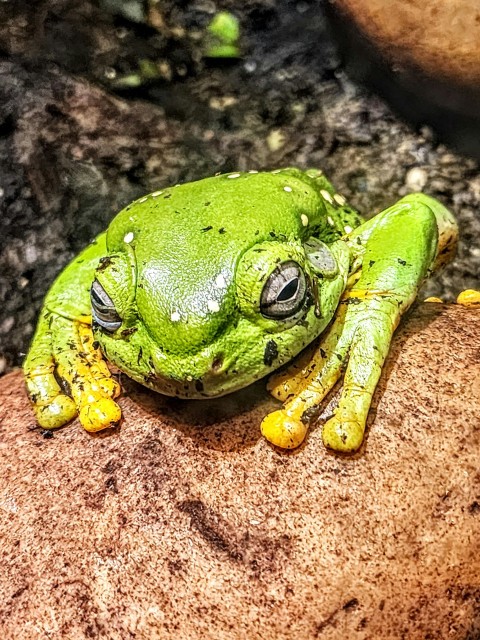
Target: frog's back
column 189, row 236
column 227, row 214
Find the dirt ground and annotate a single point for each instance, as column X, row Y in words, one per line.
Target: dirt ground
column 76, row 144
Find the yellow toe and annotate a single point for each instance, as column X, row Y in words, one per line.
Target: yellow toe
column 282, row 430
column 345, row 436
column 101, row 414
column 469, row 298
column 55, row 414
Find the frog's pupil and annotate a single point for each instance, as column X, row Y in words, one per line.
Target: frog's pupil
column 288, row 291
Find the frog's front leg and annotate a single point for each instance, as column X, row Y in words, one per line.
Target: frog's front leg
column 52, row 406
column 398, row 249
column 71, row 356
column 63, row 350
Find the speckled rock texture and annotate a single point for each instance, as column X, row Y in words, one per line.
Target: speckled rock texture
column 184, row 523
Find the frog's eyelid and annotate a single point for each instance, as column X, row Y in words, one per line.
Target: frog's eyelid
column 100, row 296
column 320, row 257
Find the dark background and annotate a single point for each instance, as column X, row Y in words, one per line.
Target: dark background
column 77, row 143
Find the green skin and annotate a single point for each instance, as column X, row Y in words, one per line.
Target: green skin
column 185, row 268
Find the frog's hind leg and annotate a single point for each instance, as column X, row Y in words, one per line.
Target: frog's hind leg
column 52, row 407
column 81, row 365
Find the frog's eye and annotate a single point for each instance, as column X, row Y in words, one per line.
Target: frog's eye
column 284, row 292
column 103, row 309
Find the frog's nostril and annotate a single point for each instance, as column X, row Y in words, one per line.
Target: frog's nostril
column 217, row 363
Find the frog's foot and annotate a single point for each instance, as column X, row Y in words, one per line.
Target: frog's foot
column 356, row 342
column 345, row 430
column 287, row 427
column 469, row 298
column 81, row 365
column 284, row 430
column 68, row 352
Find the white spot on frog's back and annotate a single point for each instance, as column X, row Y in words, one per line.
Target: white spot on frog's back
column 234, row 175
column 155, row 194
column 175, row 317
column 144, row 199
column 326, row 196
column 347, row 228
column 339, row 199
column 128, row 237
column 287, row 189
column 213, row 306
column 220, row 281
column 304, row 220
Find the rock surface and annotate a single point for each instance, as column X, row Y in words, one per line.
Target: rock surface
column 441, row 38
column 184, row 523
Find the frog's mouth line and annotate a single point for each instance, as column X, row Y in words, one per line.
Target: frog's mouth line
column 217, row 377
column 208, row 374
column 194, row 388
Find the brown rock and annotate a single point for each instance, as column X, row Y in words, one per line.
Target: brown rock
column 184, row 523
column 442, row 38
column 422, row 56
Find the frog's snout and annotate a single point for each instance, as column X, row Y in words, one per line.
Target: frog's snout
column 192, row 376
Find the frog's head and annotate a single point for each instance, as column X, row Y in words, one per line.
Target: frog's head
column 211, row 285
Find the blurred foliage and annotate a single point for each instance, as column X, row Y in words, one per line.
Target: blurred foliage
column 222, row 36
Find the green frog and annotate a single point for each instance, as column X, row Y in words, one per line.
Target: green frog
column 200, row 289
